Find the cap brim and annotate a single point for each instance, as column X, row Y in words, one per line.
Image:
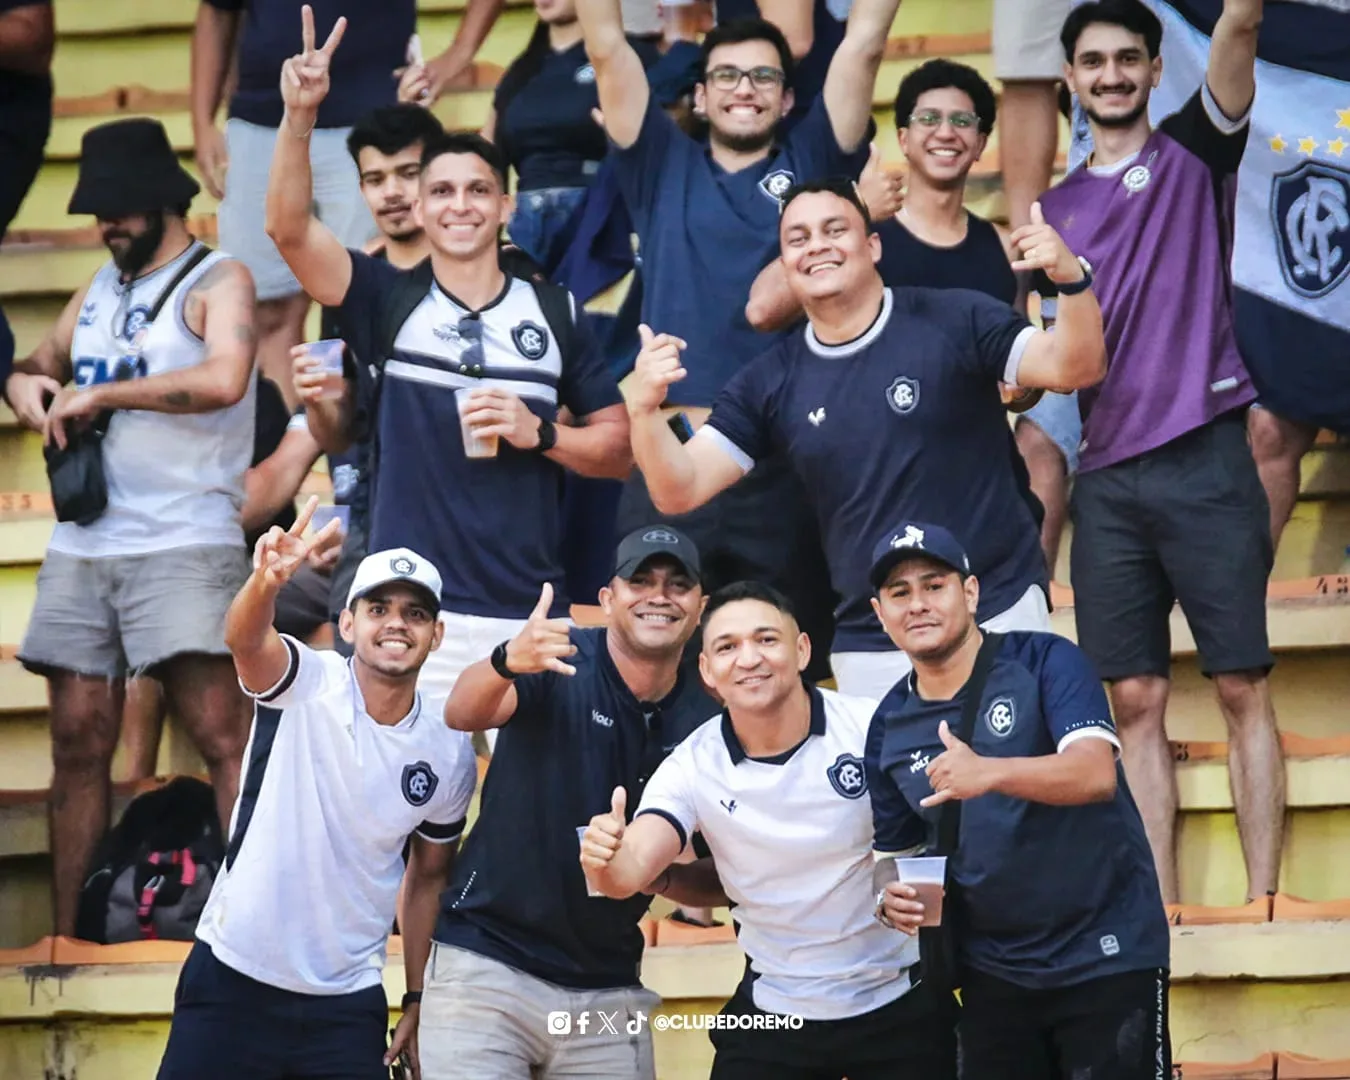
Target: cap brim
column 629, row 567
column 882, row 568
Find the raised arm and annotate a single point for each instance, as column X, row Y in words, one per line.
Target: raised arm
column 853, row 70
column 1073, row 356
column 317, row 258
column 620, row 79
column 680, row 476
column 47, row 370
column 796, row 18
column 1232, row 56
column 27, row 38
column 213, row 40
column 771, row 305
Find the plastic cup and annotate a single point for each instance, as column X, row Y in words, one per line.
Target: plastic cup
column 581, row 831
column 475, row 446
column 927, row 876
column 324, row 514
column 327, row 358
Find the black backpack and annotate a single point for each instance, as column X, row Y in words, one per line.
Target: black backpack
column 151, row 874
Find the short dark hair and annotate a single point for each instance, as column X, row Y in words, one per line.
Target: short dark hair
column 392, row 128
column 841, row 186
column 938, row 75
column 1130, row 14
column 748, row 29
column 748, row 590
column 463, row 142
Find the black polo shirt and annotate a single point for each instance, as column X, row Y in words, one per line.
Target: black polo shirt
column 518, row 894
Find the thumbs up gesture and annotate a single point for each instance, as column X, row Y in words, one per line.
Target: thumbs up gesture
column 600, row 842
column 657, row 366
column 542, row 643
column 958, row 772
column 1043, row 249
column 883, row 193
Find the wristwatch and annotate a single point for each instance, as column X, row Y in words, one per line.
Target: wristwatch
column 412, row 997
column 548, row 436
column 1073, row 288
column 498, row 662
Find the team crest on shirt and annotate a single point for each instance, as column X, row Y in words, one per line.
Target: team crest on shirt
column 135, row 326
column 1136, row 178
column 402, row 566
column 1001, row 716
column 1310, row 209
column 776, row 184
column 847, row 776
column 903, row 395
column 531, row 340
column 584, row 75
column 419, row 783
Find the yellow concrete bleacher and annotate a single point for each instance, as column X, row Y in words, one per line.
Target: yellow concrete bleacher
column 1259, row 991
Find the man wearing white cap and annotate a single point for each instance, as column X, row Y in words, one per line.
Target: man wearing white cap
column 343, row 765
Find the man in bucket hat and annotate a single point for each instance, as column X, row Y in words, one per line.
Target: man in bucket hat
column 158, row 349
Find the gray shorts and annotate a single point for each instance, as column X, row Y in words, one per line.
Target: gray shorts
column 1025, row 37
column 1057, row 415
column 482, row 1019
column 125, row 614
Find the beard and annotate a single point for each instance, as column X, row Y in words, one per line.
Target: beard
column 746, row 144
column 1124, row 120
column 139, row 250
column 405, row 235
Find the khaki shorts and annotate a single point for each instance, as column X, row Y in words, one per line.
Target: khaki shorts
column 125, row 614
column 1025, row 37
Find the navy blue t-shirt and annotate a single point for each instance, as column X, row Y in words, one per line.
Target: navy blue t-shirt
column 546, row 130
column 375, row 43
column 517, row 893
column 903, row 423
column 706, row 233
column 491, row 526
column 1042, row 896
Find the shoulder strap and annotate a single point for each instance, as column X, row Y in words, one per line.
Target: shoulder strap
column 556, row 304
column 949, row 817
column 195, row 260
column 411, row 290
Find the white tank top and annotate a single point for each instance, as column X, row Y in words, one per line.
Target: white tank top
column 173, row 480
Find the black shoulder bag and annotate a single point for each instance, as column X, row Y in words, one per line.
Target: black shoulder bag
column 937, row 944
column 79, row 484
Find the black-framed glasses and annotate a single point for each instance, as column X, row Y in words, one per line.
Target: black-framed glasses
column 727, row 77
column 469, row 330
column 961, row 119
column 835, row 185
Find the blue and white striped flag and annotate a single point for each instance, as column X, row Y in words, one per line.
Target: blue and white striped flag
column 1291, row 255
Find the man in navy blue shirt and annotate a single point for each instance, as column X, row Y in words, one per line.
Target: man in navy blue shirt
column 478, row 491
column 520, row 944
column 705, row 215
column 1061, row 939
column 887, row 402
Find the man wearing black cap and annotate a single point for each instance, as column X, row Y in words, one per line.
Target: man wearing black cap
column 159, row 348
column 521, row 951
column 1060, row 937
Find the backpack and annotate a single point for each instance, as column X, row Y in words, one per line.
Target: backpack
column 152, row 873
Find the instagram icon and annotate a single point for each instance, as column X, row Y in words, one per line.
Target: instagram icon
column 559, row 1023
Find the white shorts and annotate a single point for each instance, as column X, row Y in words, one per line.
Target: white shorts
column 873, row 674
column 1025, row 36
column 467, row 639
column 337, row 198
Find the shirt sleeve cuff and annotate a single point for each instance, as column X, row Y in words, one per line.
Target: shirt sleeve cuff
column 1223, row 124
column 675, row 823
column 908, row 853
column 743, row 460
column 441, row 834
column 284, row 683
column 1019, row 346
column 1093, row 731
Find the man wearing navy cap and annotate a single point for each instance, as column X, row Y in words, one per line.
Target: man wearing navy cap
column 524, row 961
column 1061, row 941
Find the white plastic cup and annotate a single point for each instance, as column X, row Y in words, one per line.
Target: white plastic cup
column 327, row 358
column 581, row 831
column 475, row 446
column 324, row 514
column 927, row 876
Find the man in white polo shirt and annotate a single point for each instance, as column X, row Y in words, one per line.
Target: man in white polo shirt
column 343, row 765
column 776, row 786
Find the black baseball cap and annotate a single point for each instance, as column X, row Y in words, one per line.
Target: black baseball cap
column 652, row 540
column 912, row 538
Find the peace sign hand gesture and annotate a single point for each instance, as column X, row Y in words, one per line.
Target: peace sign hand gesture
column 280, row 553
column 304, row 77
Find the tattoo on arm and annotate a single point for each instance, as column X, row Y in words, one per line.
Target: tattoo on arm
column 243, row 333
column 179, row 399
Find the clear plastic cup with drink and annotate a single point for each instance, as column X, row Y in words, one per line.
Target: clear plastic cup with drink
column 475, row 446
column 326, row 357
column 927, row 876
column 581, row 833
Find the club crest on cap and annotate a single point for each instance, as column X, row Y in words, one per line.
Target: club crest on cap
column 912, row 537
column 402, row 565
column 660, row 536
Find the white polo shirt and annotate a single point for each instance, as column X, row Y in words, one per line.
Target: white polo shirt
column 792, row 839
column 328, row 798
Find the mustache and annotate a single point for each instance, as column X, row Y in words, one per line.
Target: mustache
column 1118, row 88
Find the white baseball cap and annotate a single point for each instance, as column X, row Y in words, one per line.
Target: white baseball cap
column 396, row 564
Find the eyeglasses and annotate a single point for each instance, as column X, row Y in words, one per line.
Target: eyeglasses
column 836, row 185
column 727, row 77
column 932, row 118
column 470, row 332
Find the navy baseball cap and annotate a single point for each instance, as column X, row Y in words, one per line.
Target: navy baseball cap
column 916, row 538
column 646, row 543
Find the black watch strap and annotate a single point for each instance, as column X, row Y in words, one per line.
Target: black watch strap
column 499, row 662
column 412, row 997
column 548, row 436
